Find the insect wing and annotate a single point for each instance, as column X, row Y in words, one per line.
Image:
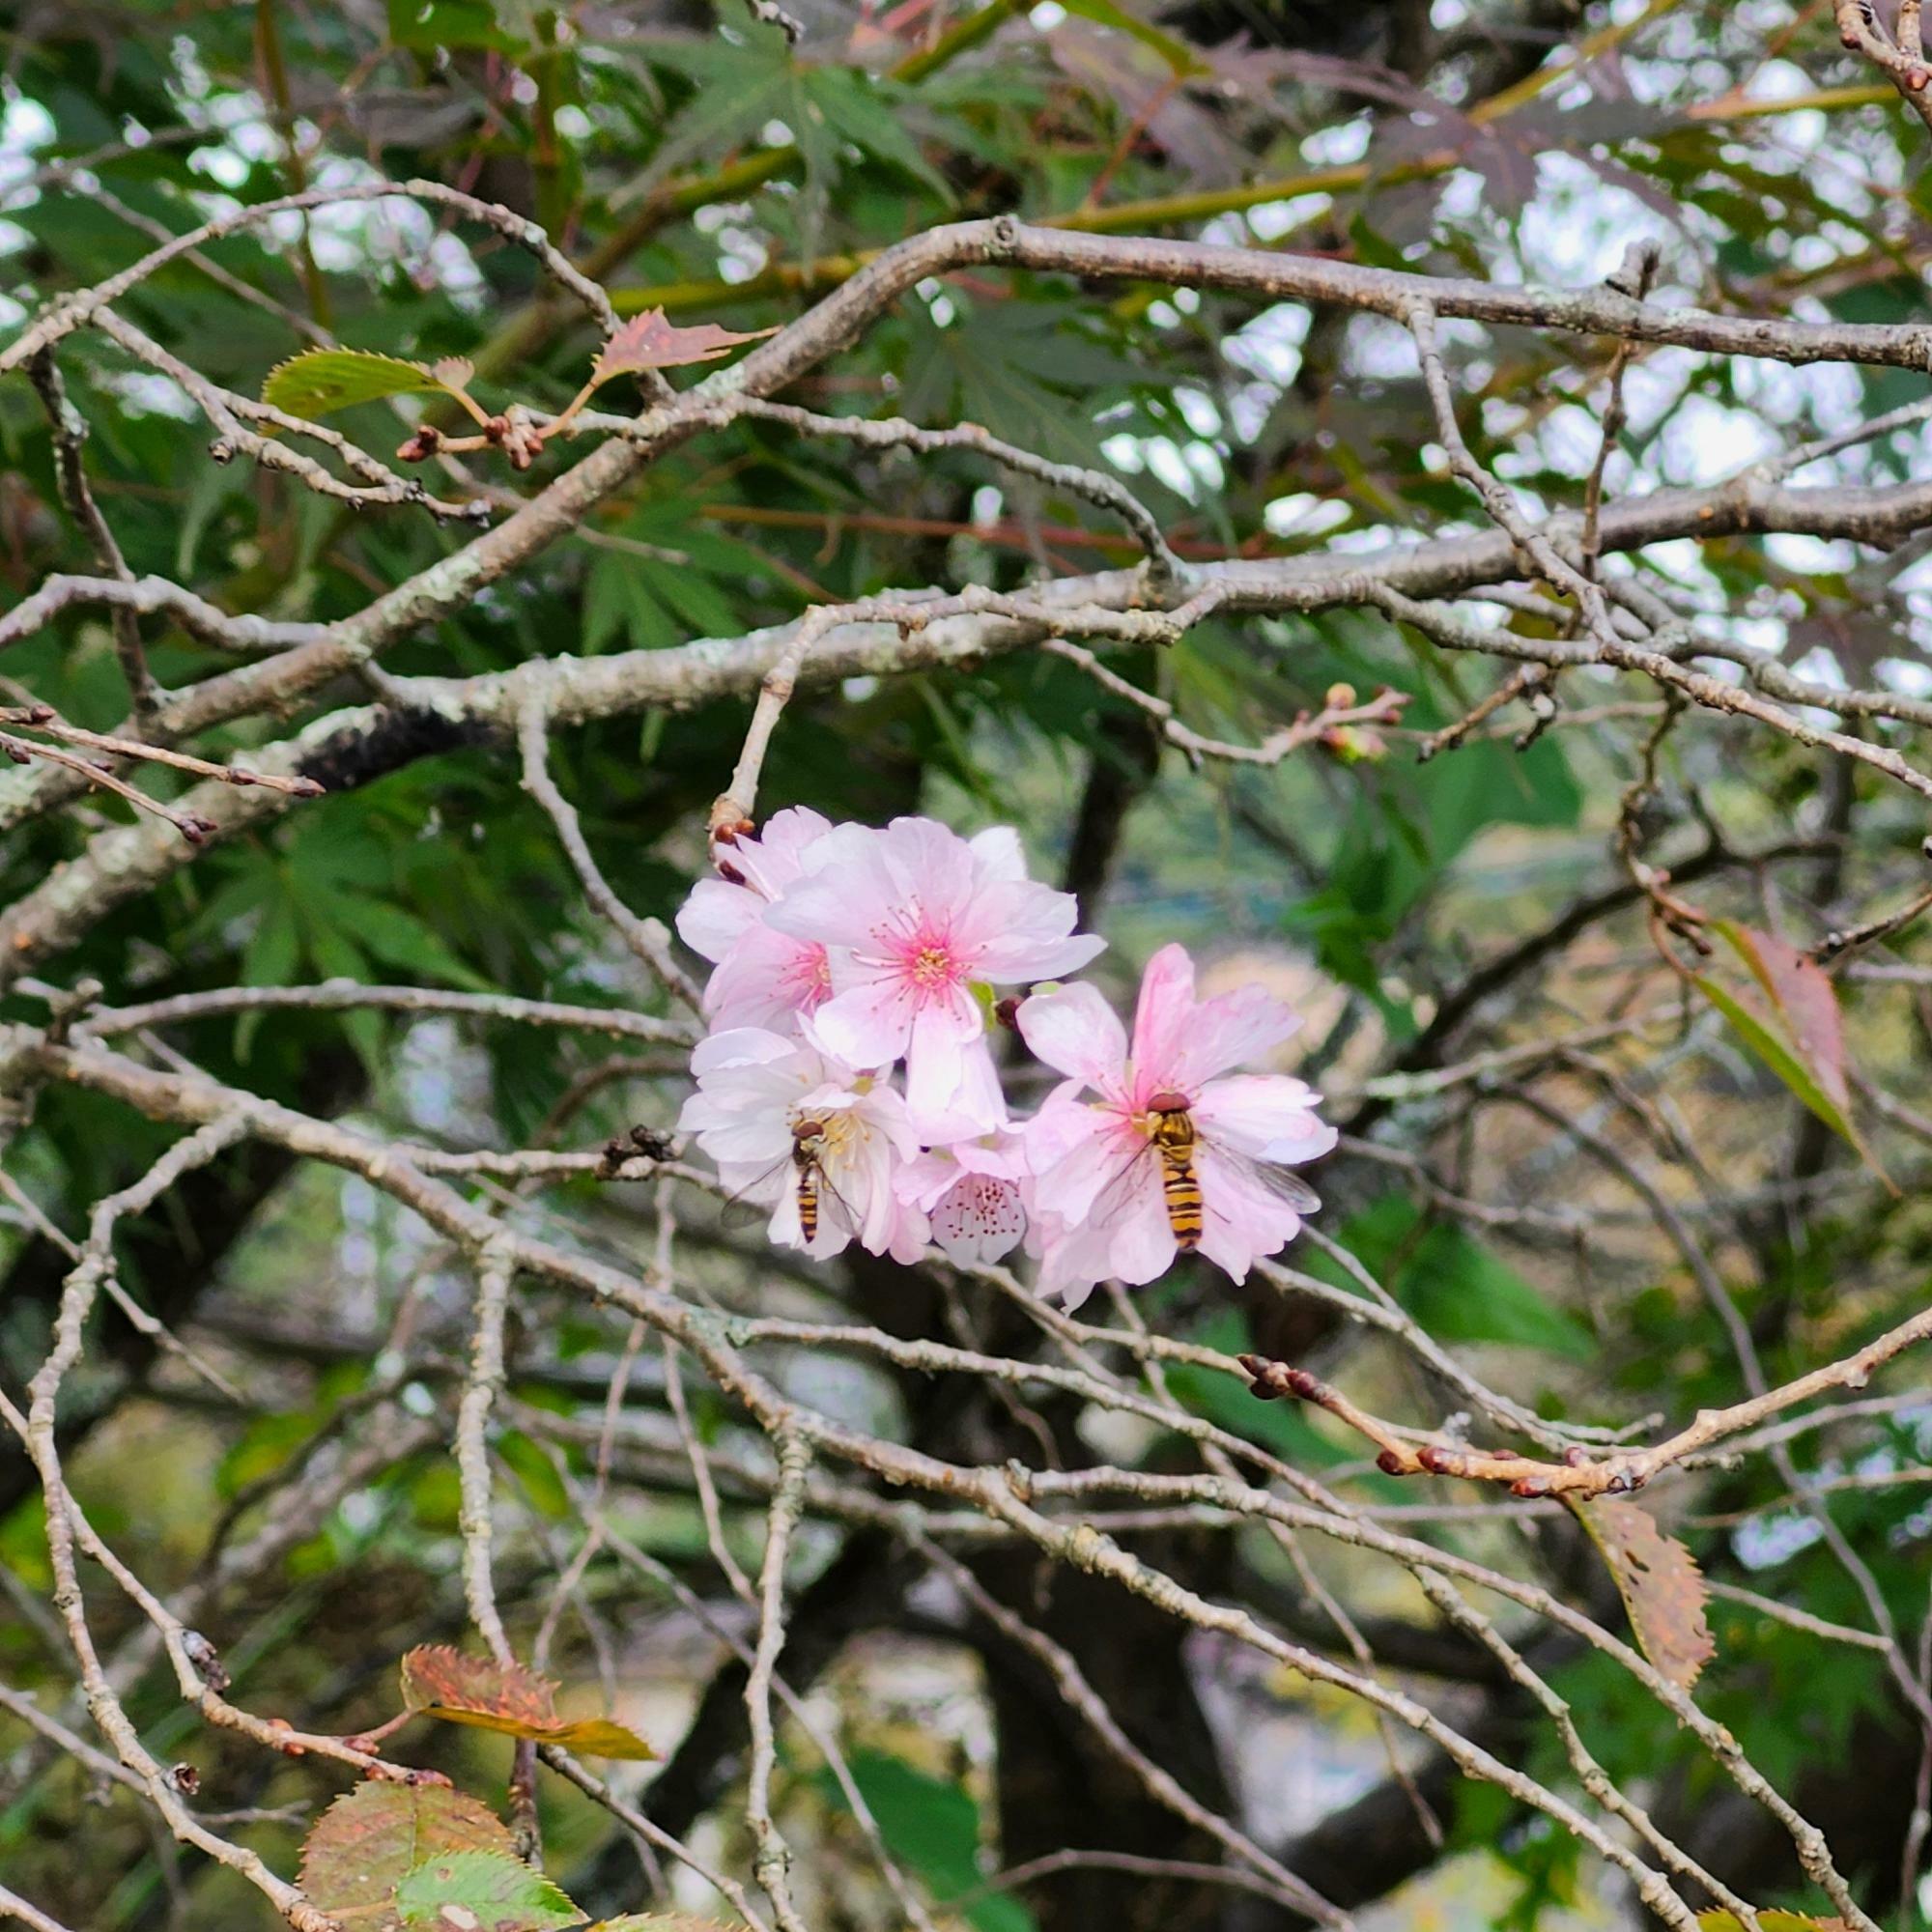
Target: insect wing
column 827, row 1190
column 1116, row 1193
column 752, row 1202
column 1270, row 1176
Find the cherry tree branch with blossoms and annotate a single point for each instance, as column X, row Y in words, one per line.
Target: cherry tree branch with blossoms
column 908, row 1137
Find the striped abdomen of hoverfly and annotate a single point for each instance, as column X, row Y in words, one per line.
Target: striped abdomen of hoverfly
column 807, row 1146
column 1172, row 1131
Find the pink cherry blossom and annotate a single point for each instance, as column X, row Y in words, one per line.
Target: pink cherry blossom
column 1098, row 1201
column 764, row 977
column 914, row 916
column 754, row 1086
column 974, row 1195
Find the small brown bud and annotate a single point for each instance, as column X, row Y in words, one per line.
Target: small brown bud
column 422, row 445
column 1006, row 1012
column 205, row 1660
column 1390, row 1463
column 729, row 873
column 1915, row 78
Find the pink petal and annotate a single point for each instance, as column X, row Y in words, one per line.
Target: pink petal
column 1078, row 1182
column 1161, row 1016
column 716, row 916
column 998, row 854
column 928, row 864
column 1073, row 1260
column 782, row 852
column 1019, row 929
column 1140, row 1246
column 739, row 1046
column 924, row 1180
column 975, row 1107
column 1240, row 1219
column 867, row 1024
column 1232, row 1030
column 840, row 904
column 939, row 1076
column 1265, row 1116
column 1181, row 1044
column 978, row 1219
column 765, row 979
column 1075, row 1032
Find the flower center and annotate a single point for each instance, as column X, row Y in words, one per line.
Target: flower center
column 931, row 967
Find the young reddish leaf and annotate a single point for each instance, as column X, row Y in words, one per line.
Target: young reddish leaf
column 482, row 1891
column 320, row 381
column 1798, row 1032
column 442, row 1680
column 650, row 341
column 371, row 1838
column 1663, row 1588
column 443, row 1683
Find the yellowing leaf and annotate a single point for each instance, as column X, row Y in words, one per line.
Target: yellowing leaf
column 371, row 1838
column 320, row 381
column 1771, row 1921
column 649, row 341
column 441, row 1682
column 482, row 1891
column 598, row 1737
column 1659, row 1582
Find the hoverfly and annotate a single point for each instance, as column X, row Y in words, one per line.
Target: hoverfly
column 811, row 1184
column 1176, row 1142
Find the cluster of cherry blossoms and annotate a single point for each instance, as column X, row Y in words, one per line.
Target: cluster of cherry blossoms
column 844, row 954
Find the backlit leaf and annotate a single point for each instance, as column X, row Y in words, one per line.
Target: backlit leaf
column 1659, row 1582
column 443, row 1682
column 482, row 1891
column 650, row 341
column 370, row 1840
column 320, row 380
column 1771, row 1921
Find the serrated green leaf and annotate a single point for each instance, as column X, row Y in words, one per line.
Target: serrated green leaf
column 482, row 1891
column 370, row 1840
column 320, row 380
